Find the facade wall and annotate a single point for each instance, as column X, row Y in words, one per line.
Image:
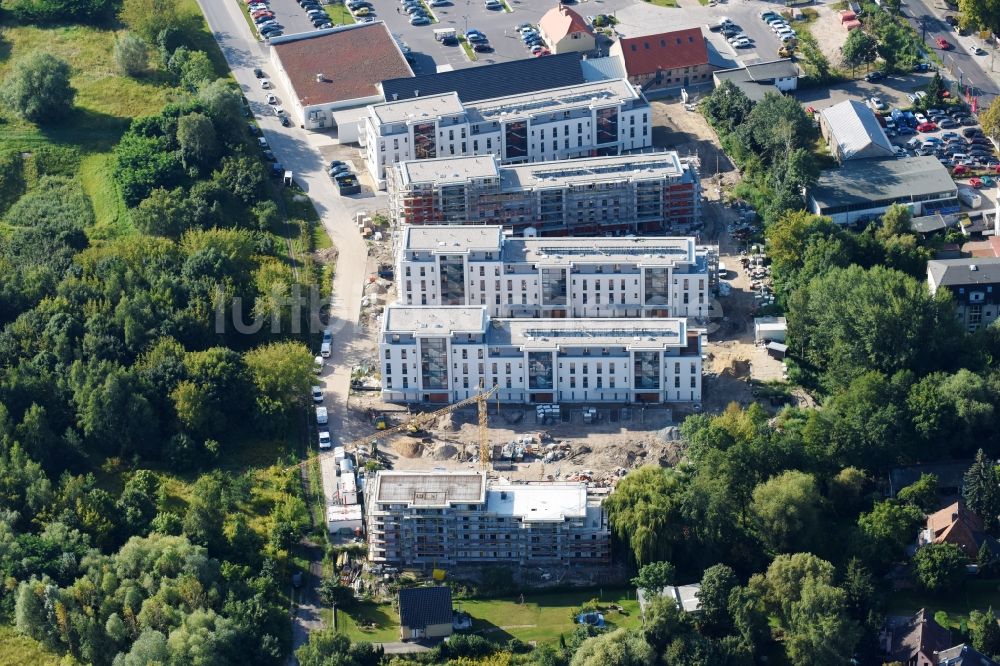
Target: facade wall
column 512, row 290
column 622, row 204
column 876, row 209
column 402, row 535
column 582, row 132
column 579, row 42
column 582, row 374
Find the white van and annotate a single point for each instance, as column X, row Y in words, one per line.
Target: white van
column 321, row 416
column 324, row 350
column 441, row 33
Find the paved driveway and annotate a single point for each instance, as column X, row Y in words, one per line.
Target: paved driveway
column 300, row 152
column 290, row 15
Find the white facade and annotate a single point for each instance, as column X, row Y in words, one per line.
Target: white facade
column 552, row 277
column 600, row 118
column 442, row 353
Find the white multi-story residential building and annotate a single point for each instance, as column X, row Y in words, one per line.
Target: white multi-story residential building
column 445, row 353
column 635, row 193
column 430, row 519
column 584, row 120
column 514, row 277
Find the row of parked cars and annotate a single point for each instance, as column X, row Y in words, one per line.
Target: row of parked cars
column 345, row 179
column 417, row 12
column 264, row 19
column 533, row 40
column 962, row 152
column 362, row 10
column 779, row 26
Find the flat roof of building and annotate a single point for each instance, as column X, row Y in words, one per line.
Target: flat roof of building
column 442, row 321
column 584, row 171
column 352, row 60
column 568, row 250
column 967, row 271
column 429, row 108
column 436, row 320
column 448, row 170
column 429, row 489
column 461, row 239
column 651, row 333
column 859, row 182
column 452, row 238
column 343, row 512
column 488, row 81
column 556, row 99
column 538, row 502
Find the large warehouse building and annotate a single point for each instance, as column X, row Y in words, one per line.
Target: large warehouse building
column 335, row 73
column 863, row 189
column 638, row 193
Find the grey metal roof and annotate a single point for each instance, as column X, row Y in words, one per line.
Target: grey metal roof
column 963, row 655
column 420, row 607
column 889, row 180
column 856, row 131
column 598, row 69
column 964, row 272
column 936, row 221
column 489, row 81
column 773, row 69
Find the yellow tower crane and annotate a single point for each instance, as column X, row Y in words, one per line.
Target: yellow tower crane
column 417, row 421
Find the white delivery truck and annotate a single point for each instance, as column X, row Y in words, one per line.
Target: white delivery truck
column 970, row 197
column 321, row 416
column 442, row 33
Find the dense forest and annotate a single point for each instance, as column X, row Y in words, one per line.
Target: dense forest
column 129, row 531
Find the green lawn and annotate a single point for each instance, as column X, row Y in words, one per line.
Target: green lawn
column 542, row 617
column 664, row 3
column 976, row 595
column 467, row 47
column 339, row 15
column 18, row 650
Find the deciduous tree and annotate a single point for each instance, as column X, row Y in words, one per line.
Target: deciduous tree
column 38, row 89
column 787, row 511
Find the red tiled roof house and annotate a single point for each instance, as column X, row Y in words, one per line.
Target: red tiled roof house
column 677, row 59
column 564, row 30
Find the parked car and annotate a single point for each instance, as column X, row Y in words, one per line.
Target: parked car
column 493, row 4
column 317, row 393
column 976, row 182
column 258, row 72
column 265, row 84
column 947, row 123
column 285, row 121
column 543, row 52
column 743, row 44
column 950, row 20
column 475, row 36
column 988, row 181
column 482, row 47
column 877, row 104
column 324, row 439
column 420, row 20
column 960, row 170
column 926, row 127
column 450, row 40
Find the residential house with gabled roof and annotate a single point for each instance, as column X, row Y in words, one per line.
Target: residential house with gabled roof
column 964, row 655
column 974, row 283
column 666, row 60
column 957, row 524
column 915, row 641
column 425, row 612
column 564, row 30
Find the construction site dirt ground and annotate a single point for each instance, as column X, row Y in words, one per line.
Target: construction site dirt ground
column 623, row 437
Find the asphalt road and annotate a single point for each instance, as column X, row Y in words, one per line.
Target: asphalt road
column 965, row 68
column 292, row 17
column 299, row 152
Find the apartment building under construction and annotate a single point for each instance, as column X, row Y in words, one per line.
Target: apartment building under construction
column 620, row 194
column 440, row 519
